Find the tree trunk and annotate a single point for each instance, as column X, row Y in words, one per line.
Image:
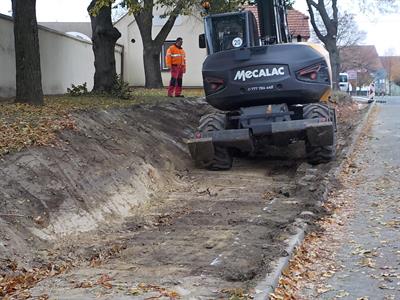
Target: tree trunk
column 335, row 62
column 152, row 48
column 104, row 38
column 330, row 38
column 27, row 55
column 152, row 70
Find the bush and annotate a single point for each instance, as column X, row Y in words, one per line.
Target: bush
column 340, row 97
column 78, row 90
column 120, row 88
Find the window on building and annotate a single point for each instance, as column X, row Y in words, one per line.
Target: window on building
column 164, row 49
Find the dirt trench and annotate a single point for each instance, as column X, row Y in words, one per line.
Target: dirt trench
column 121, row 203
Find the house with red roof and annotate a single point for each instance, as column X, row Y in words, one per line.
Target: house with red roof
column 299, row 27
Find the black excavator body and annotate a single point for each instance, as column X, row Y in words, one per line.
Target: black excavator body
column 269, row 91
column 265, row 75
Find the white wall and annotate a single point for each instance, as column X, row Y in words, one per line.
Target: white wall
column 64, row 60
column 186, row 27
column 7, row 59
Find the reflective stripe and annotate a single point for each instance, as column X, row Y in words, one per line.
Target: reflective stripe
column 175, row 56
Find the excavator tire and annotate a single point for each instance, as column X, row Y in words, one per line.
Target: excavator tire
column 222, row 159
column 319, row 154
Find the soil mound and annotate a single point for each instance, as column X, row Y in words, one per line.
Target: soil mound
column 117, row 159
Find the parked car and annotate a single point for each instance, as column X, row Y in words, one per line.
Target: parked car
column 344, row 84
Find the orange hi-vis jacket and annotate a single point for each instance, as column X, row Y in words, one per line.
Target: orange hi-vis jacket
column 175, row 56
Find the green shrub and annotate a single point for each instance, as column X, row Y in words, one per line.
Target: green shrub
column 120, row 88
column 341, row 97
column 78, row 90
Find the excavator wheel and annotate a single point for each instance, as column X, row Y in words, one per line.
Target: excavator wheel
column 319, row 154
column 222, row 159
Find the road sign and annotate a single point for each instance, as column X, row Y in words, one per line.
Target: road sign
column 352, row 74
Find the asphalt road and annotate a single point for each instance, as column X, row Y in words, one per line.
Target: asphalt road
column 368, row 251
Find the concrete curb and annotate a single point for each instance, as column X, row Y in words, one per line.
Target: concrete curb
column 267, row 286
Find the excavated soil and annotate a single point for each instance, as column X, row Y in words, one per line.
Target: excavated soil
column 117, row 210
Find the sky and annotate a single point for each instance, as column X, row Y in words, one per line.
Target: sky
column 55, row 10
column 381, row 30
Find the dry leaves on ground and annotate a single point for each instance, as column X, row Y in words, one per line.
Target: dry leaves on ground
column 237, row 294
column 19, row 280
column 23, row 125
column 143, row 288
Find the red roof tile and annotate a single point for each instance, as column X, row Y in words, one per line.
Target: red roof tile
column 297, row 22
column 254, row 10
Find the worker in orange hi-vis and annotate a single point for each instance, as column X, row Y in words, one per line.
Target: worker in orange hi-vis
column 176, row 61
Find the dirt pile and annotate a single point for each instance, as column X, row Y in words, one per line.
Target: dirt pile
column 95, row 175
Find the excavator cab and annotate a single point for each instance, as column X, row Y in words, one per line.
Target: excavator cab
column 231, row 31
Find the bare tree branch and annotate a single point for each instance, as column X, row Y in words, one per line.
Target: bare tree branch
column 311, row 3
column 165, row 30
column 328, row 33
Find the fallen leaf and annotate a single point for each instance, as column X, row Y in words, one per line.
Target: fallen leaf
column 135, row 292
column 84, row 285
column 39, row 220
column 323, row 290
column 104, row 281
column 367, row 262
column 342, row 294
column 385, row 287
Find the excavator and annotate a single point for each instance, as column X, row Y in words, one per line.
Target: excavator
column 267, row 90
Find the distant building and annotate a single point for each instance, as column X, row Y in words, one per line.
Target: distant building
column 298, row 26
column 361, row 57
column 187, row 27
column 363, row 64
